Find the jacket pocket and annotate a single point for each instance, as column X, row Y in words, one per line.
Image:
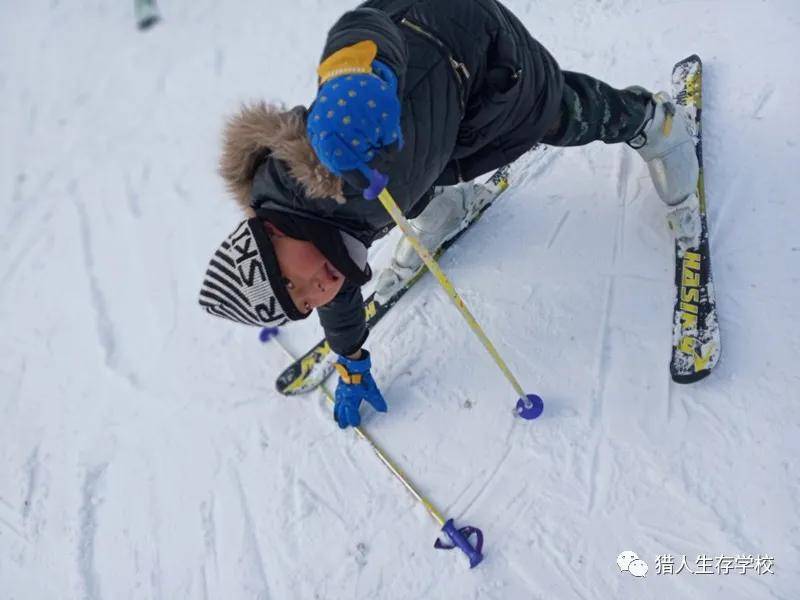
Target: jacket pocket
column 503, row 70
column 496, row 97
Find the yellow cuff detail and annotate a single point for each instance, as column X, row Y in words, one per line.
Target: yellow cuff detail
column 340, row 369
column 351, row 59
column 348, row 378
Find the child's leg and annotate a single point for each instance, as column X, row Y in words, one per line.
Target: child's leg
column 592, row 110
column 441, row 219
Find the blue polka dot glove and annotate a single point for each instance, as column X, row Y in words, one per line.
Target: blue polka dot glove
column 355, row 384
column 356, row 115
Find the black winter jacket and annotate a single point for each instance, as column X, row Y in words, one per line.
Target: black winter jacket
column 477, row 92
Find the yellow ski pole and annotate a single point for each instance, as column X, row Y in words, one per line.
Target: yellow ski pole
column 459, row 537
column 529, row 406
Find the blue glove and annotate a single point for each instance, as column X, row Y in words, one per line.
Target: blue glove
column 355, row 384
column 355, row 118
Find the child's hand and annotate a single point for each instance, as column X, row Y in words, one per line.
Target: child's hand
column 356, row 115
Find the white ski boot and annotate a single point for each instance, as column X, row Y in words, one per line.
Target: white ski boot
column 447, row 213
column 666, row 144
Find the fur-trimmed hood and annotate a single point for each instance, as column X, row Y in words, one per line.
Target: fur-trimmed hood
column 260, row 129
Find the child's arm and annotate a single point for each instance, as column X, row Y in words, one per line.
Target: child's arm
column 344, row 322
column 345, row 329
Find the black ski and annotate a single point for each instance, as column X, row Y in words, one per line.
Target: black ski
column 696, row 338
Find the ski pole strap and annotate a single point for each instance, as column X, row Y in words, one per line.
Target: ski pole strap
column 460, row 539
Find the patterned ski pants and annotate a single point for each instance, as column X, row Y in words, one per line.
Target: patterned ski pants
column 592, row 110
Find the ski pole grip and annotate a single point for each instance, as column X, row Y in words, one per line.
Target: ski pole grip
column 377, row 182
column 460, row 540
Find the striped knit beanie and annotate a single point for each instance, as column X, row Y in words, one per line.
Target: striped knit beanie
column 243, row 282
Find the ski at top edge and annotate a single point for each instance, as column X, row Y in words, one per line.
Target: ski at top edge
column 314, row 367
column 696, row 338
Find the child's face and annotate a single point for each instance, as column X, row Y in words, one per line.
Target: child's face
column 312, row 280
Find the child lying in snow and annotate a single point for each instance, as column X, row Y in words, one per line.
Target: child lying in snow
column 432, row 93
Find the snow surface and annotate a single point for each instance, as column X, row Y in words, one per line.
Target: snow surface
column 144, row 453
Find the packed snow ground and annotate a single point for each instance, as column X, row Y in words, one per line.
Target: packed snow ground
column 144, row 453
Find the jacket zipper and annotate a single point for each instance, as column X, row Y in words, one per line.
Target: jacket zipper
column 459, row 69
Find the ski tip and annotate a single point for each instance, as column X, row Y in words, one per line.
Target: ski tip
column 692, row 58
column 530, row 407
column 685, row 378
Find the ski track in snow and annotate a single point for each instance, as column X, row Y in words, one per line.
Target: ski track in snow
column 555, row 557
column 623, row 174
column 557, row 230
column 251, row 550
column 487, row 483
column 520, row 571
column 763, row 99
column 155, row 577
column 133, row 197
column 31, row 207
column 31, row 244
column 305, row 490
column 336, row 493
column 601, row 368
column 209, row 527
column 90, row 500
column 103, row 322
column 7, row 523
column 32, row 468
column 598, row 393
column 598, row 396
